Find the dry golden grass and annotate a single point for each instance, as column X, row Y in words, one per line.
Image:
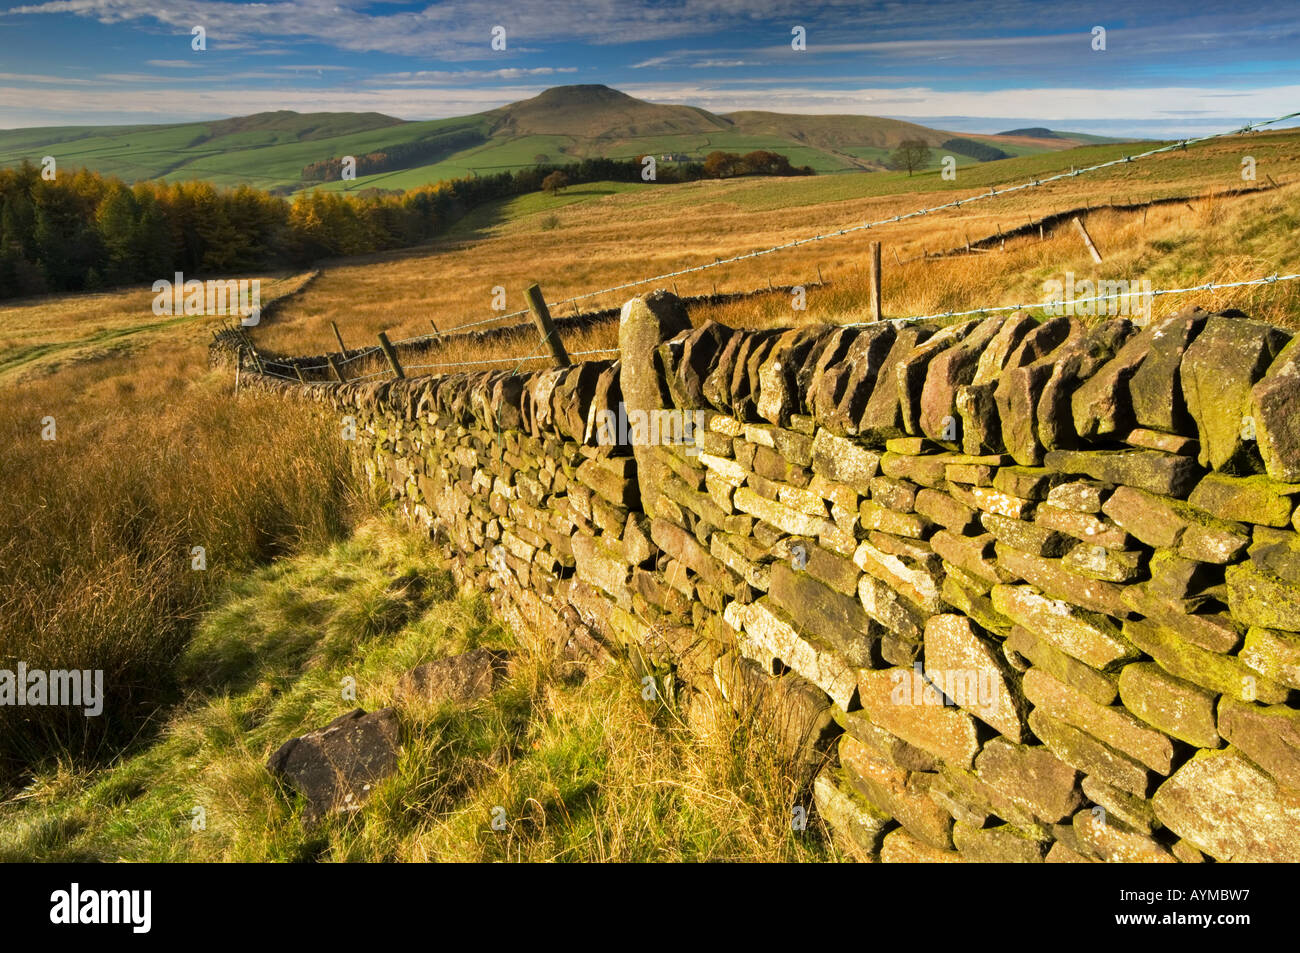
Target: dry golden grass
column 39, row 336
column 150, row 458
column 1210, row 240
column 606, row 240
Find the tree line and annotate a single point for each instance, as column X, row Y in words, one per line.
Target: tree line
column 84, row 231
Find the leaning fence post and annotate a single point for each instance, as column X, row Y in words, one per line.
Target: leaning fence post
column 391, row 355
column 257, row 359
column 875, row 281
column 338, row 374
column 298, row 370
column 545, row 326
column 1087, row 240
column 342, row 347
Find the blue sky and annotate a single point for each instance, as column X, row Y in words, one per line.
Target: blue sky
column 1168, row 68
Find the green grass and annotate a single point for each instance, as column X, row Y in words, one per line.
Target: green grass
column 537, row 203
column 269, row 150
column 584, row 769
column 270, row 154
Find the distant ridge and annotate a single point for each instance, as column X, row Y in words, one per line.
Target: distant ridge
column 1034, row 132
column 285, row 151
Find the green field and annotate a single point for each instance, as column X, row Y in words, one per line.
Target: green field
column 270, row 150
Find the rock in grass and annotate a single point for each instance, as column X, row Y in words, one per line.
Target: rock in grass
column 459, row 679
column 336, row 767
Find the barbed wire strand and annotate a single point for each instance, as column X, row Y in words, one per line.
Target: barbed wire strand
column 956, row 203
column 1061, row 302
column 992, row 309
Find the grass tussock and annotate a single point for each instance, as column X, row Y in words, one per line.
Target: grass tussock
column 575, row 769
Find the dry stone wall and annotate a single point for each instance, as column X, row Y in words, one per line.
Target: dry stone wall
column 1011, row 589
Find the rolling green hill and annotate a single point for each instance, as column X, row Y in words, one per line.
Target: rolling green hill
column 563, row 124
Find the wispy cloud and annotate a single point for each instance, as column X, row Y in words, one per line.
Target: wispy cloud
column 42, row 79
column 721, row 64
column 457, row 29
column 441, row 77
column 312, row 68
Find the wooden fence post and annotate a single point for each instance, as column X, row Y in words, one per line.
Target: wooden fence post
column 1087, row 240
column 298, row 370
column 257, row 358
column 545, row 326
column 342, row 347
column 391, row 355
column 875, row 281
column 338, row 374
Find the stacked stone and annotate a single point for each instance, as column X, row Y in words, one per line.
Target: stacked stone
column 695, row 560
column 1020, row 590
column 1063, row 516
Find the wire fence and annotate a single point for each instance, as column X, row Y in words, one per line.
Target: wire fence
column 1062, row 302
column 956, row 203
column 1053, row 303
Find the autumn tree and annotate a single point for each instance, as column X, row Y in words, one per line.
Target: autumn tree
column 911, row 154
column 721, row 165
column 555, row 183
